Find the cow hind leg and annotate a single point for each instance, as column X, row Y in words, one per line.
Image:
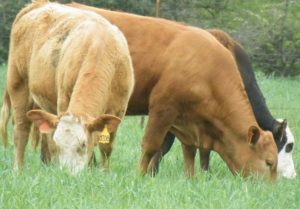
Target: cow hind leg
column 189, row 153
column 204, row 159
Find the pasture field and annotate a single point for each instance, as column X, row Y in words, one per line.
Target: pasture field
column 39, row 186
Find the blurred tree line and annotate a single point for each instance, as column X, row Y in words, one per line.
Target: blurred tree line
column 269, row 30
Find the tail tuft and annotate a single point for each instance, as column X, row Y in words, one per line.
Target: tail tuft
column 4, row 117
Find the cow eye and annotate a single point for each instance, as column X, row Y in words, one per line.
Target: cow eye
column 269, row 163
column 289, row 147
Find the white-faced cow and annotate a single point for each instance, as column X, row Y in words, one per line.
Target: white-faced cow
column 285, row 147
column 189, row 84
column 282, row 134
column 76, row 67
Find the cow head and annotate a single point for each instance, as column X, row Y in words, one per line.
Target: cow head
column 257, row 155
column 73, row 135
column 285, row 143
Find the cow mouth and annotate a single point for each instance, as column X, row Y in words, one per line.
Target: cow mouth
column 73, row 163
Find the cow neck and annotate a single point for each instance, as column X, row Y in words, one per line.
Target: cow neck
column 242, row 119
column 233, row 112
column 228, row 159
column 235, row 125
column 232, row 115
column 90, row 92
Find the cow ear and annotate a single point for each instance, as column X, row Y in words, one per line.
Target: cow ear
column 253, row 135
column 280, row 129
column 112, row 122
column 46, row 122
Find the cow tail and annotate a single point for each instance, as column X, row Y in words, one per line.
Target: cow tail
column 4, row 117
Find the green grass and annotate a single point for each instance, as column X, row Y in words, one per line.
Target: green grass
column 39, row 186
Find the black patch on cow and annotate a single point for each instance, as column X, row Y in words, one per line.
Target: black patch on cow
column 279, row 133
column 280, row 142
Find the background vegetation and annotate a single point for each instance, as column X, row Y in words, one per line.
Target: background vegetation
column 268, row 29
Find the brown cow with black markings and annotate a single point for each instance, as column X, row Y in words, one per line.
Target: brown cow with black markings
column 74, row 65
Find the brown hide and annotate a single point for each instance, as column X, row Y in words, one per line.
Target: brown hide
column 189, row 84
column 68, row 62
column 223, row 38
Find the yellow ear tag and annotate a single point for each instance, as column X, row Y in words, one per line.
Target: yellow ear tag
column 104, row 136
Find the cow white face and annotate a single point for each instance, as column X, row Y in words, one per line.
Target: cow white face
column 72, row 135
column 285, row 165
column 71, row 138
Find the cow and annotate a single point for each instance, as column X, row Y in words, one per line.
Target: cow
column 188, row 83
column 76, row 67
column 282, row 134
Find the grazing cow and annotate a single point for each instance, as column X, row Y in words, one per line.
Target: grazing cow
column 189, row 85
column 77, row 68
column 281, row 132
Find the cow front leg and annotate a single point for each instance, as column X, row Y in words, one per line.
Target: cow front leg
column 48, row 148
column 165, row 148
column 21, row 105
column 45, row 152
column 106, row 150
column 21, row 133
column 158, row 125
column 189, row 153
column 35, row 137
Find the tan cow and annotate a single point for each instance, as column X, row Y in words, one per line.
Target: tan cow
column 189, row 84
column 76, row 66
